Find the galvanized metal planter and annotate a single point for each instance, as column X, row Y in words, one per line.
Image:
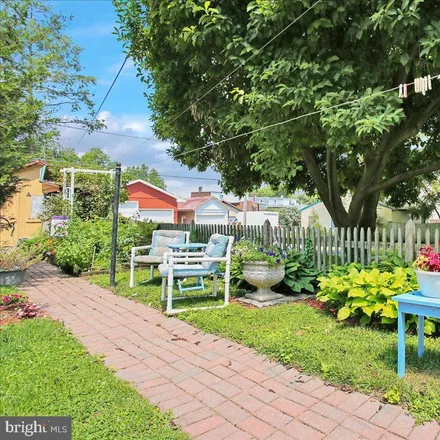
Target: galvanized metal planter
column 12, row 277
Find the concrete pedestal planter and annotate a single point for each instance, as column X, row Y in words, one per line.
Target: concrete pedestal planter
column 263, row 276
column 12, row 277
column 429, row 283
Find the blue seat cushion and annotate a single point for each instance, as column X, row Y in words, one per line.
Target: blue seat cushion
column 216, row 248
column 162, row 238
column 185, row 270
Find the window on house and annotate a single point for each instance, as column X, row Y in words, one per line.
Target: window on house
column 37, row 203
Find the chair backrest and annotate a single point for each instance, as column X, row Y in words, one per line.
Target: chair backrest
column 218, row 246
column 164, row 237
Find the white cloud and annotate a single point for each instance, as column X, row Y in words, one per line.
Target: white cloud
column 136, row 151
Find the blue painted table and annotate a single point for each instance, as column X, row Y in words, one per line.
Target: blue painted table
column 413, row 303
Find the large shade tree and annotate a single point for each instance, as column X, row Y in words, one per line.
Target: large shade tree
column 379, row 145
column 40, row 81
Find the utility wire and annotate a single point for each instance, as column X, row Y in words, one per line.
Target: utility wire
column 116, row 78
column 107, row 132
column 277, row 124
column 232, row 71
column 245, row 61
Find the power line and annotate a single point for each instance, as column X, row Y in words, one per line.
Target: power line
column 245, row 61
column 277, row 124
column 106, row 95
column 234, row 70
column 108, row 132
column 116, row 77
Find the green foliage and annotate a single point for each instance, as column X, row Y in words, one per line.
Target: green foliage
column 247, row 251
column 88, row 243
column 336, row 53
column 289, row 216
column 17, row 258
column 143, row 172
column 40, row 354
column 300, row 273
column 40, row 81
column 366, row 293
column 393, row 396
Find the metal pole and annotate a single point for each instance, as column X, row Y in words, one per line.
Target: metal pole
column 245, row 206
column 72, row 186
column 115, row 224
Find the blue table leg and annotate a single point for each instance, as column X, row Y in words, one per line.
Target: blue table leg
column 421, row 335
column 401, row 344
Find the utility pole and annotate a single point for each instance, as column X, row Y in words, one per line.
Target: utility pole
column 245, row 209
column 115, row 224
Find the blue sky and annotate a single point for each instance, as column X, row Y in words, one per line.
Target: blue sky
column 125, row 110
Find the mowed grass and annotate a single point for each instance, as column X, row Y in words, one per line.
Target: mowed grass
column 303, row 337
column 44, row 371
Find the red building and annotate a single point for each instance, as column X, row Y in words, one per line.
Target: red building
column 151, row 202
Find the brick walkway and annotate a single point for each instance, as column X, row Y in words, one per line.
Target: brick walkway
column 216, row 389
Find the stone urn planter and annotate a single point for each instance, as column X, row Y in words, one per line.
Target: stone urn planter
column 12, row 277
column 263, row 276
column 429, row 283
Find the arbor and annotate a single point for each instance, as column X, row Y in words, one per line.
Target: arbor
column 39, row 80
column 337, row 52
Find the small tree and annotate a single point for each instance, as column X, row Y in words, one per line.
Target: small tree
column 290, row 216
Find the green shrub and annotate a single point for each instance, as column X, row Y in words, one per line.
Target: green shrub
column 88, row 243
column 365, row 293
column 300, row 273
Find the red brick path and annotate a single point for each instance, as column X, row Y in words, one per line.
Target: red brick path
column 216, row 389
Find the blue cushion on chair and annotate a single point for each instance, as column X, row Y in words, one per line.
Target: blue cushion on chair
column 162, row 238
column 185, row 270
column 216, row 248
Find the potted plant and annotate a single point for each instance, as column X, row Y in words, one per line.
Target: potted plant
column 427, row 271
column 13, row 265
column 262, row 268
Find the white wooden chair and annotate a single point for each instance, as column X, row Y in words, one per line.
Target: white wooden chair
column 196, row 264
column 157, row 249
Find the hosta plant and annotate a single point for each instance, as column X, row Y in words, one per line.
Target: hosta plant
column 299, row 272
column 366, row 294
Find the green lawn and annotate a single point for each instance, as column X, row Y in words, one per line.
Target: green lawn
column 303, row 337
column 45, row 371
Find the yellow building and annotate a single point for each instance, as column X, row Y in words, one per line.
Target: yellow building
column 24, row 208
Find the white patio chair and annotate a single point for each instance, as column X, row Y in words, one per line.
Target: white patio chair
column 196, row 264
column 157, row 249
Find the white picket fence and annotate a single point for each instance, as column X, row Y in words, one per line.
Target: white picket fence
column 330, row 246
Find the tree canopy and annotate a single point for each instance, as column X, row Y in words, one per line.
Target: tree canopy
column 39, row 81
column 378, row 145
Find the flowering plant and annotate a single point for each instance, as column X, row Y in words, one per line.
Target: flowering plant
column 15, row 298
column 28, row 311
column 428, row 260
column 249, row 252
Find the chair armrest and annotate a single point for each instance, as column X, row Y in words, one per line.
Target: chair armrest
column 167, row 255
column 173, row 259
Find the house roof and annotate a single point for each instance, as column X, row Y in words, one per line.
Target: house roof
column 309, row 206
column 34, row 163
column 231, row 206
column 143, row 182
column 193, row 203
